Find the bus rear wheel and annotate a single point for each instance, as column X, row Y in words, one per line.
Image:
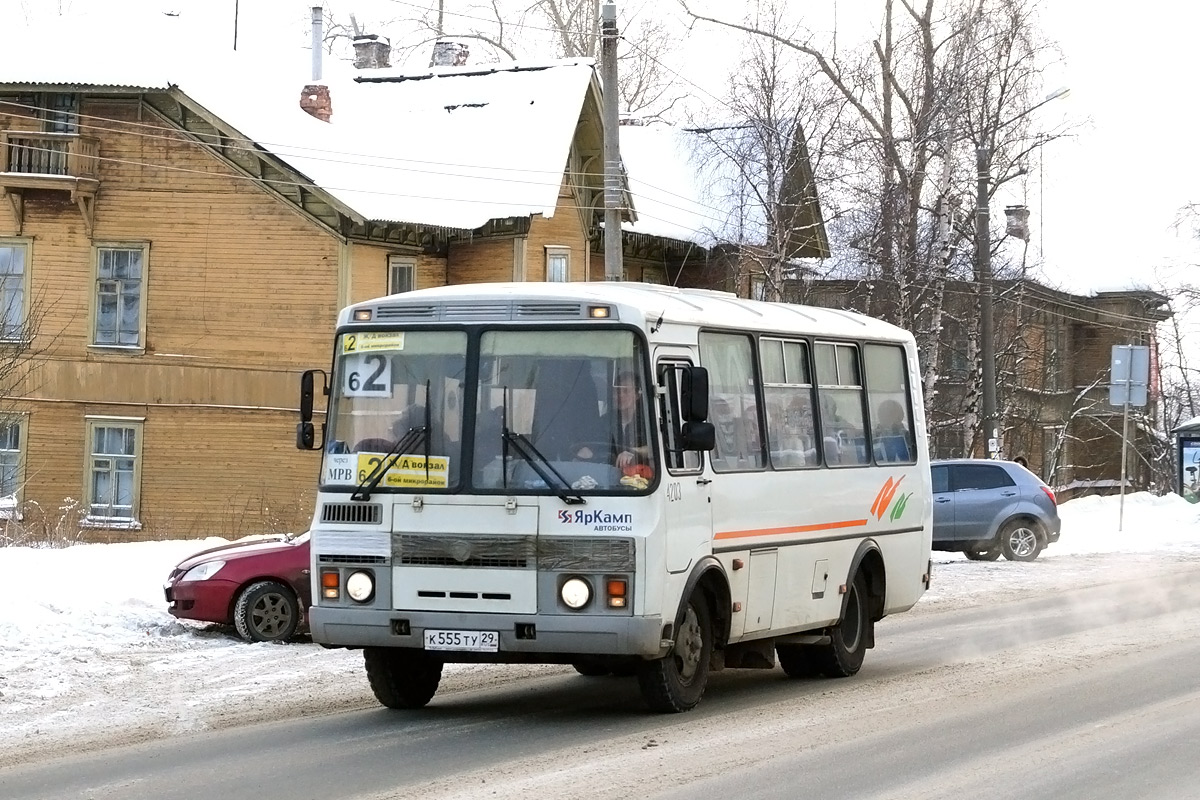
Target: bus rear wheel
column 676, row 682
column 843, row 656
column 402, row 678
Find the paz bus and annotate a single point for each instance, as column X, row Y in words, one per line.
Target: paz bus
column 628, row 478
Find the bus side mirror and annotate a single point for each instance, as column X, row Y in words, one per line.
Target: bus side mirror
column 305, row 431
column 699, row 436
column 693, row 396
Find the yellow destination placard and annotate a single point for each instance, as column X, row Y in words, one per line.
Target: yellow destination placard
column 368, row 341
column 408, row 472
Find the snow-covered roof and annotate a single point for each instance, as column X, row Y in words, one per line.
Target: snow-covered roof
column 667, row 193
column 453, row 147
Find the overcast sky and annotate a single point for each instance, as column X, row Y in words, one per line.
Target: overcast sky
column 1104, row 203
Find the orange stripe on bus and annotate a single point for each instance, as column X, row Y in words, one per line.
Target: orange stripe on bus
column 823, row 526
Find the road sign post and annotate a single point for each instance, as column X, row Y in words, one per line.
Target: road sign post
column 1130, row 381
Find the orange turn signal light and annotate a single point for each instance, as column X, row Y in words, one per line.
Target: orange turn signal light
column 616, row 592
column 330, row 584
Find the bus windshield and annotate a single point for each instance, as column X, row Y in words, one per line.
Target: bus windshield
column 554, row 412
column 386, row 385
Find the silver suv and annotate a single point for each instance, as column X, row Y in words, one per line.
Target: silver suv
column 984, row 508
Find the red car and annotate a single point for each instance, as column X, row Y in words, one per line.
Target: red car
column 260, row 587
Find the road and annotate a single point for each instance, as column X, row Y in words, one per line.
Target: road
column 1078, row 694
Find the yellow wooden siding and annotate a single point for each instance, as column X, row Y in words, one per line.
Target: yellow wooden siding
column 565, row 229
column 480, row 261
column 369, row 269
column 203, row 472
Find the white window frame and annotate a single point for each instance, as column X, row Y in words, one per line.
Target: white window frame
column 401, row 266
column 15, row 331
column 10, row 501
column 95, row 459
column 143, row 248
column 558, row 256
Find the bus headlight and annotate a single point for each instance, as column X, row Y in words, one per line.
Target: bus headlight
column 360, row 586
column 575, row 593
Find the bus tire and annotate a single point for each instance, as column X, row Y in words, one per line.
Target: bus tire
column 677, row 681
column 402, row 678
column 798, row 660
column 843, row 656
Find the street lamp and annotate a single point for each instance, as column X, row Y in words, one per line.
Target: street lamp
column 983, row 274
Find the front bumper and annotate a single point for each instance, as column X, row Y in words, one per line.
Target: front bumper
column 554, row 635
column 206, row 601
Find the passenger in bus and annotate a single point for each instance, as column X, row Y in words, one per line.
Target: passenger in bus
column 891, row 433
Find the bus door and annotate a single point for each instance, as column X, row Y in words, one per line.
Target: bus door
column 686, row 484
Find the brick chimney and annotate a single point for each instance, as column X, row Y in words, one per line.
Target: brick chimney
column 448, row 53
column 370, row 52
column 315, row 99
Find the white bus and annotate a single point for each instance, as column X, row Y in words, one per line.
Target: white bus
column 627, row 478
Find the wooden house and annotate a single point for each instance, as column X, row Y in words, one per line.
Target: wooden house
column 173, row 252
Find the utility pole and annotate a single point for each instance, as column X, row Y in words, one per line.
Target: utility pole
column 613, row 266
column 983, row 274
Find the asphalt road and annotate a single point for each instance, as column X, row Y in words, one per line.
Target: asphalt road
column 1078, row 694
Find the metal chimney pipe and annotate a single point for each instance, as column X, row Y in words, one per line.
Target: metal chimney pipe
column 317, row 35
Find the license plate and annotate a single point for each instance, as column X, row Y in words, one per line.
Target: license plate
column 473, row 641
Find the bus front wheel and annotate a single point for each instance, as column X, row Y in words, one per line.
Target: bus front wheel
column 676, row 682
column 843, row 656
column 402, row 678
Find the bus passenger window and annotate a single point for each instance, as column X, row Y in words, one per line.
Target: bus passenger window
column 891, row 409
column 734, row 404
column 840, row 390
column 787, row 387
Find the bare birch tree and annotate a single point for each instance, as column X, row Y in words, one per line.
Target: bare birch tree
column 939, row 76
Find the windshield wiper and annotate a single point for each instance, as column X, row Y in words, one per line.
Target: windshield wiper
column 534, row 457
column 414, row 435
column 541, row 465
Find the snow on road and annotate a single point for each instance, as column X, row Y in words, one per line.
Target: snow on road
column 89, row 656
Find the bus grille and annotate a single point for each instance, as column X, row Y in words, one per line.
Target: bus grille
column 327, row 558
column 352, row 513
column 514, row 552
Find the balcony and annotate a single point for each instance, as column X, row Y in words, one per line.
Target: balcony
column 62, row 162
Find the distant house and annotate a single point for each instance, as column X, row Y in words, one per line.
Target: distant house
column 1053, row 352
column 175, row 243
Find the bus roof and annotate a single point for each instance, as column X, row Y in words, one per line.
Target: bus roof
column 640, row 304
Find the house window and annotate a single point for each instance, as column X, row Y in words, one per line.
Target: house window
column 60, row 112
column 114, row 474
column 14, row 257
column 558, row 264
column 120, row 299
column 10, row 466
column 1055, row 356
column 402, row 274
column 758, row 287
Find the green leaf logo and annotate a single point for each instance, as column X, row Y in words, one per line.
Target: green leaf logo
column 898, row 508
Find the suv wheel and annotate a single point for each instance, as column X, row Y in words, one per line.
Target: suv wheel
column 1021, row 540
